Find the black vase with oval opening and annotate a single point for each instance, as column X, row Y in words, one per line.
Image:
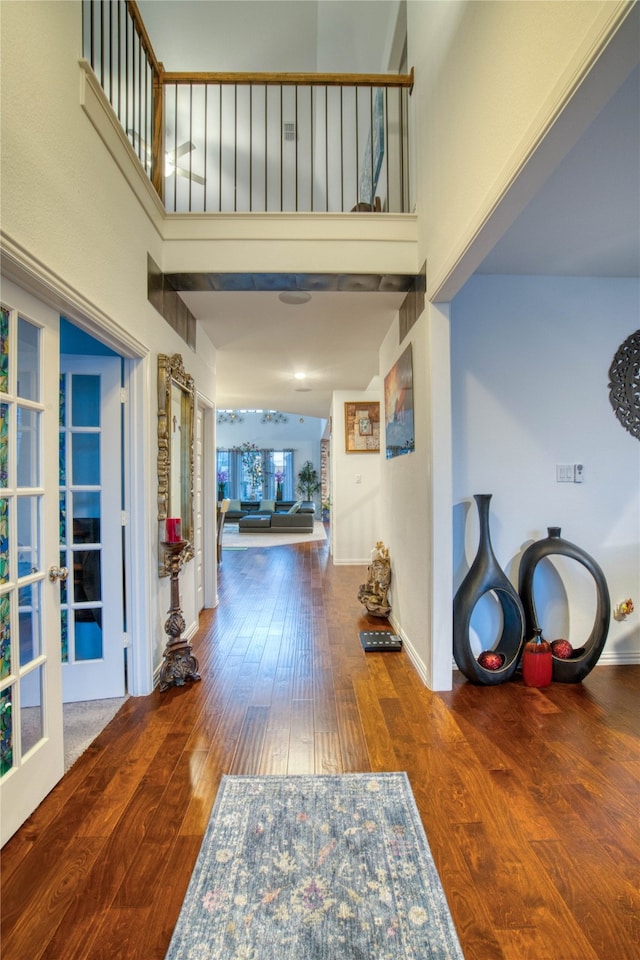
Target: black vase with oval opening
column 584, row 658
column 486, row 576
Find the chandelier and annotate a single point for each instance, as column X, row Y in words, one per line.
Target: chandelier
column 273, row 416
column 229, row 416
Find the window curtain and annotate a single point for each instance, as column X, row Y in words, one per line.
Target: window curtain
column 235, row 473
column 230, row 462
column 268, row 479
column 224, row 485
column 268, row 491
column 288, row 484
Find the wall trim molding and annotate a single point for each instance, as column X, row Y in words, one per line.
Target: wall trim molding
column 601, row 64
column 100, row 113
column 607, row 659
column 36, row 278
column 416, row 660
column 621, row 658
column 351, row 563
column 375, row 243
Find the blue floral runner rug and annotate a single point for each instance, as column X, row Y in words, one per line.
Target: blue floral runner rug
column 324, row 867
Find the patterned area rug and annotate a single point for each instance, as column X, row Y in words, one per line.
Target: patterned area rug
column 327, row 867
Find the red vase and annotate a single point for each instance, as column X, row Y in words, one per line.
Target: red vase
column 537, row 662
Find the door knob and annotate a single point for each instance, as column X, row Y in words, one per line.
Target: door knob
column 58, row 573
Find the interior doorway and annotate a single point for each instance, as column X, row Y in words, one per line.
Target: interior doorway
column 93, row 611
column 34, row 570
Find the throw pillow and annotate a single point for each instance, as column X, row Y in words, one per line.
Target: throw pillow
column 296, row 507
column 267, row 506
column 234, row 505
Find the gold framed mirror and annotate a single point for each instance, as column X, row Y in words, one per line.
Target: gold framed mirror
column 175, row 453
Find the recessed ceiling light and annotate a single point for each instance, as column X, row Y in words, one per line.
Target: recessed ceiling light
column 294, row 296
column 300, row 376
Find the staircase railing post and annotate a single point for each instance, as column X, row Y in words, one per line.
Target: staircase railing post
column 157, row 139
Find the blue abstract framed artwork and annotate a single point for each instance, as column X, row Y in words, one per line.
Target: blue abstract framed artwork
column 398, row 406
column 372, row 157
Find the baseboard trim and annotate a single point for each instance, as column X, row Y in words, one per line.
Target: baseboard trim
column 351, row 563
column 416, row 661
column 611, row 658
column 608, row 659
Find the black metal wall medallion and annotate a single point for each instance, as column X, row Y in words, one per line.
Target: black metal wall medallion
column 624, row 384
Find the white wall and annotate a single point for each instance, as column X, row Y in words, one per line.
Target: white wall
column 68, row 212
column 530, row 362
column 491, row 79
column 281, row 36
column 356, row 517
column 416, row 532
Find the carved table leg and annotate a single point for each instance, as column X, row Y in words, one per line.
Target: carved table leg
column 179, row 663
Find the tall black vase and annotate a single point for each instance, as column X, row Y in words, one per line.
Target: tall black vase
column 486, row 576
column 585, row 658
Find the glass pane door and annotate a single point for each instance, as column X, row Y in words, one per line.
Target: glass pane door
column 91, row 528
column 31, row 748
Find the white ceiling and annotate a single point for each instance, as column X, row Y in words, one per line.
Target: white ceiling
column 340, row 36
column 261, row 343
column 585, row 221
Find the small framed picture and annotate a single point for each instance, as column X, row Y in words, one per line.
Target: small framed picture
column 362, row 427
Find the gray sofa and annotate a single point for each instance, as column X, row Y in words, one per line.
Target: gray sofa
column 278, row 517
column 240, row 508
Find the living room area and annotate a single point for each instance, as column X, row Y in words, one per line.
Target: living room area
column 272, row 476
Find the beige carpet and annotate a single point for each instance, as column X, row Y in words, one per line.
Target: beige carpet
column 83, row 722
column 232, row 540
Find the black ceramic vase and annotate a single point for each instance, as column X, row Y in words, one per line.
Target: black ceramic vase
column 486, row 576
column 585, row 658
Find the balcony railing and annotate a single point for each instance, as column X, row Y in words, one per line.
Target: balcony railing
column 224, row 142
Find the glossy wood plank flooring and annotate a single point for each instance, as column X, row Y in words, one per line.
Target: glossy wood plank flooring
column 530, row 798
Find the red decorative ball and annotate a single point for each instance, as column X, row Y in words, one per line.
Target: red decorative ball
column 491, row 660
column 561, row 649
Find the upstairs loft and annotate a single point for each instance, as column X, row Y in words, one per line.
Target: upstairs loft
column 251, row 216
column 252, row 142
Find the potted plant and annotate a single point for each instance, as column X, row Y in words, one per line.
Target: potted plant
column 308, row 480
column 252, row 467
column 279, row 478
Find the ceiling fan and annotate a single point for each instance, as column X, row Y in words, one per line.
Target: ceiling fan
column 171, row 166
column 171, row 158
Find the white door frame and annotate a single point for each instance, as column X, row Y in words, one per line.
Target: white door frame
column 35, row 278
column 210, row 580
column 37, row 764
column 103, row 677
column 138, row 547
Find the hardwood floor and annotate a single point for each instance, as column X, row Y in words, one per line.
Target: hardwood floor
column 530, row 798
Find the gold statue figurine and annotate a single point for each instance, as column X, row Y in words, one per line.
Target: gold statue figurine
column 373, row 593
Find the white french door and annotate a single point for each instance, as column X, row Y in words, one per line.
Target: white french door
column 91, row 528
column 31, row 737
